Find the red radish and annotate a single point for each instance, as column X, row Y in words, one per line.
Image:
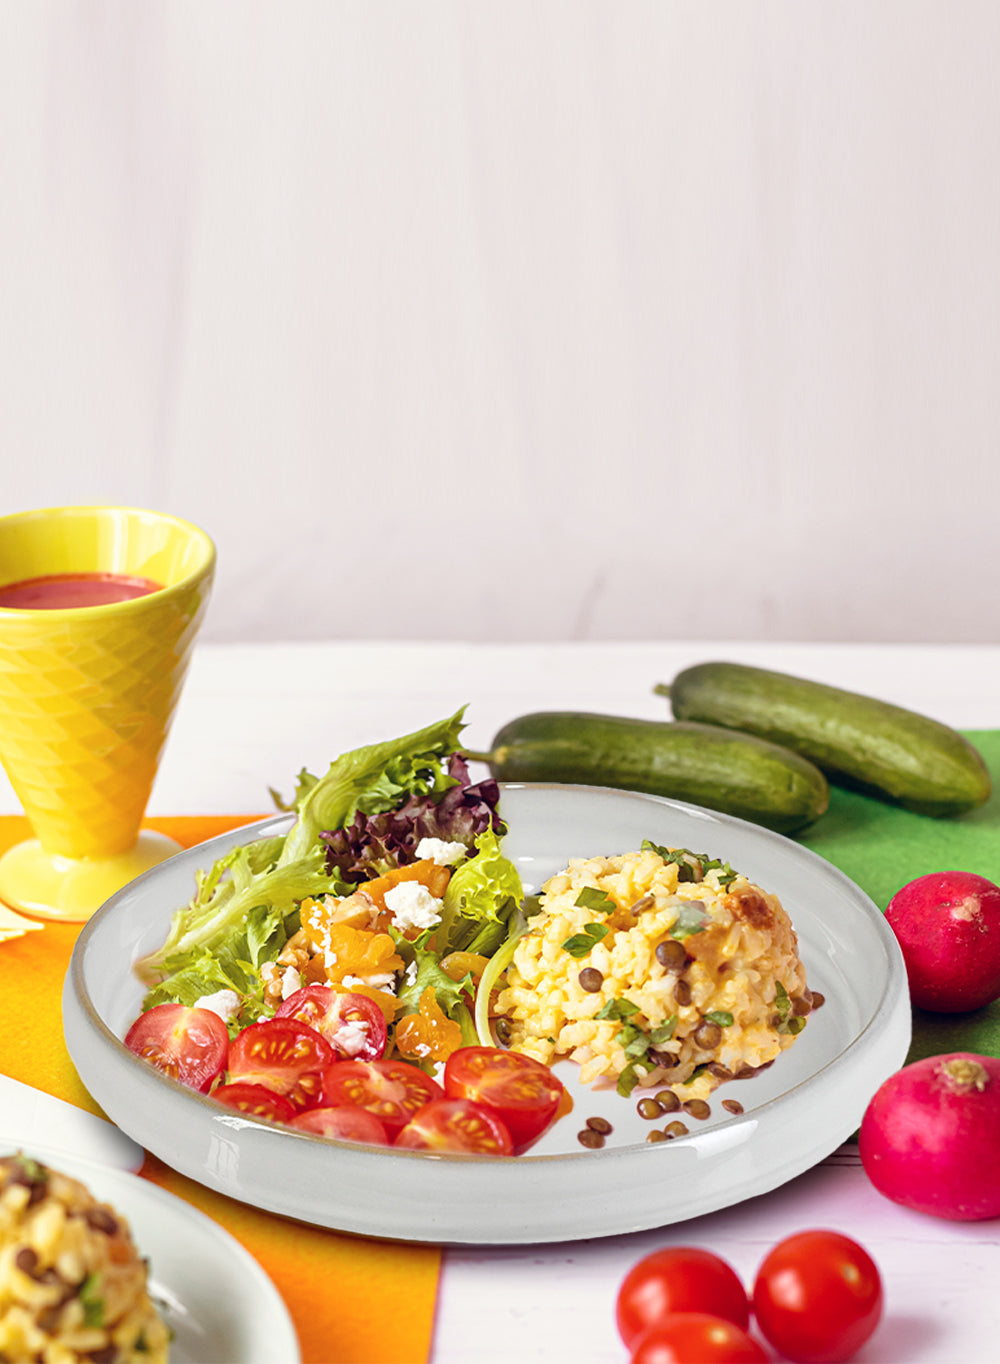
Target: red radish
column 948, row 927
column 930, row 1135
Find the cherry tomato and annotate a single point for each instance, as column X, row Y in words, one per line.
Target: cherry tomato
column 343, row 1124
column 523, row 1093
column 284, row 1055
column 818, row 1297
column 678, row 1279
column 255, row 1100
column 189, row 1045
column 353, row 1024
column 456, row 1125
column 392, row 1090
column 696, row 1338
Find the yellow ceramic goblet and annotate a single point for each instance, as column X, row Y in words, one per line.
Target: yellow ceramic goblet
column 87, row 694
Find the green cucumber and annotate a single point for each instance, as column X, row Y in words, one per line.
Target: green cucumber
column 858, row 741
column 702, row 764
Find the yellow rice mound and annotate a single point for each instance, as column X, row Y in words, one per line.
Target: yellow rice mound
column 73, row 1286
column 731, row 997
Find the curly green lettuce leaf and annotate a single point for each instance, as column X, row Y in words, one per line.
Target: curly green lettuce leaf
column 223, row 902
column 372, row 779
column 280, row 871
column 481, row 897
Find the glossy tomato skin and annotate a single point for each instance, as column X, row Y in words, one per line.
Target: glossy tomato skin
column 190, row 1045
column 696, row 1338
column 342, row 1124
column 255, row 1100
column 678, row 1279
column 391, row 1090
column 353, row 1024
column 284, row 1055
column 456, row 1125
column 818, row 1297
column 523, row 1093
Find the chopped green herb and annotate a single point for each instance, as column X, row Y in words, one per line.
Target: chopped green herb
column 93, row 1303
column 580, row 944
column 618, row 1008
column 592, row 898
column 664, row 1032
column 691, row 919
column 698, row 1070
column 692, row 866
column 629, row 1078
column 782, row 1003
column 32, row 1170
column 721, row 1016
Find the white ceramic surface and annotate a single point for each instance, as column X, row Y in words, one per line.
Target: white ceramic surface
column 796, row 1113
column 211, row 1292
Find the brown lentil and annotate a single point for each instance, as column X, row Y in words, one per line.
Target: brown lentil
column 601, row 1125
column 590, row 979
column 671, row 954
column 676, row 1129
column 647, row 902
column 656, row 1135
column 707, row 1035
column 697, row 1108
column 649, row 1108
column 732, row 1105
column 719, row 1071
column 682, row 993
column 818, row 1000
column 668, row 1101
column 666, row 1059
column 589, row 1138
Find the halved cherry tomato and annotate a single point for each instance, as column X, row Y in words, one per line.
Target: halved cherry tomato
column 523, row 1093
column 284, row 1055
column 255, row 1100
column 189, row 1045
column 353, row 1024
column 678, row 1279
column 392, row 1090
column 343, row 1124
column 456, row 1125
column 696, row 1338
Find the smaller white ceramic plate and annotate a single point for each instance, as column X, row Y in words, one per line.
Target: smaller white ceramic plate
column 796, row 1113
column 211, row 1292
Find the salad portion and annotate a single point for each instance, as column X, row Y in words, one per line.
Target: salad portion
column 328, row 978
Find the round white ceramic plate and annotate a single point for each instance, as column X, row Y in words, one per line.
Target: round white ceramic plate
column 211, row 1292
column 796, row 1113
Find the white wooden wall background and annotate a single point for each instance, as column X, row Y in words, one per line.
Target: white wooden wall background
column 529, row 321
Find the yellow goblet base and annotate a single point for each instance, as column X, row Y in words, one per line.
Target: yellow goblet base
column 48, row 886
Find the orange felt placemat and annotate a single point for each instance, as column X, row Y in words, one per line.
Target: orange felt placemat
column 353, row 1300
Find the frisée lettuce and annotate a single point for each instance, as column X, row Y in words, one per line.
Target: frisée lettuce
column 364, row 818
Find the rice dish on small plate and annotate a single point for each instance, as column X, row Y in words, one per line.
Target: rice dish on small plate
column 73, row 1285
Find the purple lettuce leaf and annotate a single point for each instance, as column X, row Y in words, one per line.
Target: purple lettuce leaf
column 374, row 844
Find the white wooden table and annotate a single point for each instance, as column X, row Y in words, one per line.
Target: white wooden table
column 252, row 716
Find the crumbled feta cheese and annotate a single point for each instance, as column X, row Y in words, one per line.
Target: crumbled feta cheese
column 412, row 906
column 377, row 980
column 410, row 974
column 351, row 1038
column 441, row 852
column 290, row 982
column 223, row 1002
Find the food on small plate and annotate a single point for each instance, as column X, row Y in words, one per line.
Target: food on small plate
column 660, row 968
column 73, row 1284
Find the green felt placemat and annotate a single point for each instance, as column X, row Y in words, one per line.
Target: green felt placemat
column 881, row 848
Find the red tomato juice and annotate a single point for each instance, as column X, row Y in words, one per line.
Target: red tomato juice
column 67, row 591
